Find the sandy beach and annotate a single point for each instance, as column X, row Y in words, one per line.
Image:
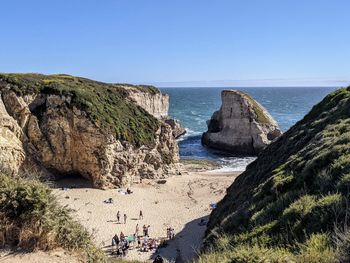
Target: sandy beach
column 179, row 203
column 55, row 256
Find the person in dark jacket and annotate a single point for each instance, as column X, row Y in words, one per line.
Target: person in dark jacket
column 115, row 242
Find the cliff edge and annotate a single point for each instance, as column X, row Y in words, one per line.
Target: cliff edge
column 62, row 125
column 241, row 126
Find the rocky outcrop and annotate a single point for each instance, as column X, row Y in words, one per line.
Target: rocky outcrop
column 178, row 130
column 156, row 104
column 12, row 154
column 49, row 129
column 241, row 126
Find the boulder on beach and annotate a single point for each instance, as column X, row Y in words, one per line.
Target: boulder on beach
column 242, row 126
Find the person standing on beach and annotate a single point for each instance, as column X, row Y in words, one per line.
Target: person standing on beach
column 115, row 242
column 147, row 230
column 125, row 217
column 137, row 230
column 122, row 237
column 141, row 215
column 138, row 241
column 144, row 228
column 118, row 216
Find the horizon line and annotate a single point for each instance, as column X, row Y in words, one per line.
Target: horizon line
column 223, row 83
column 297, row 82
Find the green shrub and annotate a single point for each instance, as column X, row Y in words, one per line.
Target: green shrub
column 317, row 249
column 31, row 218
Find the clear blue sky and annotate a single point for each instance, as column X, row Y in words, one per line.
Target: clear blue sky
column 182, row 42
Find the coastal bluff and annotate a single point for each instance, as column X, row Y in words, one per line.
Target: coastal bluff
column 61, row 125
column 292, row 196
column 241, row 126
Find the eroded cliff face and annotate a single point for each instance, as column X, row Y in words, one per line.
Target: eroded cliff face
column 51, row 132
column 241, row 126
column 156, row 104
column 178, row 130
column 12, row 154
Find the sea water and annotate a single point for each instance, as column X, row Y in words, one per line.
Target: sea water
column 193, row 107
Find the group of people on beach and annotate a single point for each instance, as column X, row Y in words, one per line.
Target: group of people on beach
column 122, row 243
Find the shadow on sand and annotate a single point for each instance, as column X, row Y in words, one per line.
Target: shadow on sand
column 186, row 244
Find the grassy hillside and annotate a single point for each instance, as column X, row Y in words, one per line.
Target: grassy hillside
column 292, row 203
column 106, row 104
column 31, row 219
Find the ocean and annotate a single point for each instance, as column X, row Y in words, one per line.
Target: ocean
column 194, row 106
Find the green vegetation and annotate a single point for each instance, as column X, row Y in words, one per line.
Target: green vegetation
column 260, row 115
column 291, row 204
column 106, row 104
column 31, row 218
column 315, row 250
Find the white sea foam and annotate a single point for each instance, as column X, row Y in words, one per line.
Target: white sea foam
column 188, row 133
column 234, row 164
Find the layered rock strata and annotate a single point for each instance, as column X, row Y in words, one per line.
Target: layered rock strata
column 241, row 126
column 44, row 123
column 156, row 104
column 178, row 130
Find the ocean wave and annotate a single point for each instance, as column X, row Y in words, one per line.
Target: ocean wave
column 234, row 164
column 189, row 133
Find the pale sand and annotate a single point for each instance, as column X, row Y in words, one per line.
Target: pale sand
column 179, row 203
column 57, row 256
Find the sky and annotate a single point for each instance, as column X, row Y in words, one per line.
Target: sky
column 182, row 42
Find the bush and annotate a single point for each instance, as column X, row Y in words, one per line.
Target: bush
column 31, row 219
column 316, row 249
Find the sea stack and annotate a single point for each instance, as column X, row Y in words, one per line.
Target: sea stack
column 242, row 126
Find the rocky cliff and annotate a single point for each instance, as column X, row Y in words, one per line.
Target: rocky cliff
column 153, row 101
column 241, row 126
column 178, row 130
column 12, row 154
column 65, row 125
column 291, row 203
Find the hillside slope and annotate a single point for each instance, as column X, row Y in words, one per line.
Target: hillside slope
column 292, row 202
